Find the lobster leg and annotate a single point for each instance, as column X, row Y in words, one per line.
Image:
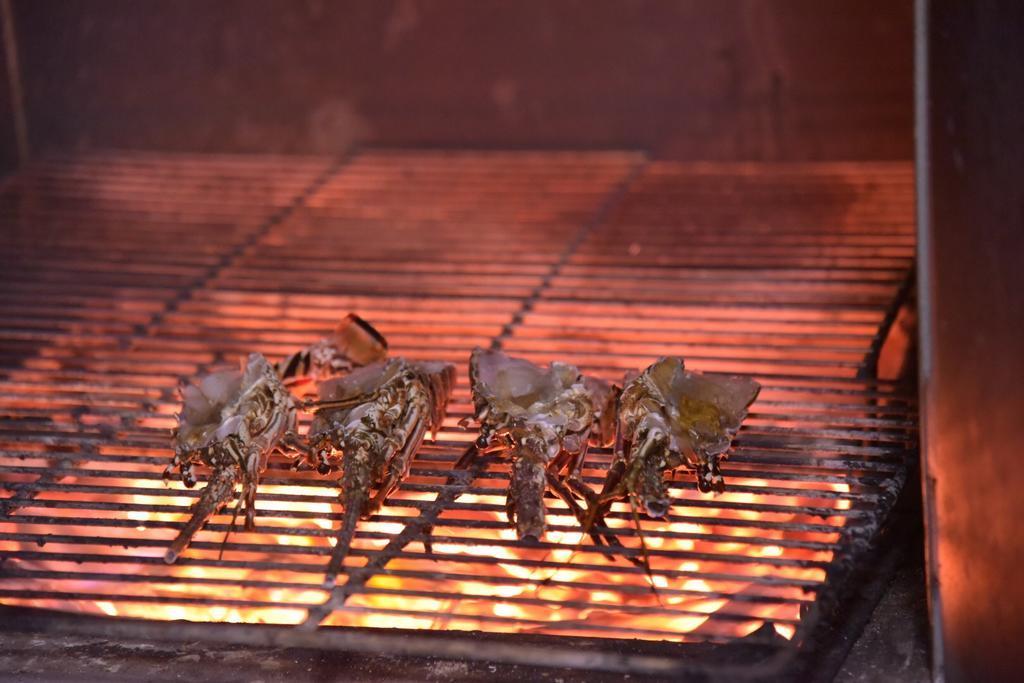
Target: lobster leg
column 577, row 458
column 317, row 460
column 563, row 491
column 250, row 481
column 184, row 466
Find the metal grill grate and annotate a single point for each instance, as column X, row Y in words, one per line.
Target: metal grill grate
column 125, row 271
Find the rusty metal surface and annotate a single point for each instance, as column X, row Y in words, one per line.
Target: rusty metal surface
column 126, row 271
column 971, row 149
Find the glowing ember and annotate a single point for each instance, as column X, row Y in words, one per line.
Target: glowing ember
column 705, row 574
column 792, row 296
column 722, row 565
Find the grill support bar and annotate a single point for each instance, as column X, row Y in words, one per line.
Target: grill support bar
column 427, row 644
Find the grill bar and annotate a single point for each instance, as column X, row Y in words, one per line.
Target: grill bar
column 129, row 271
column 399, row 643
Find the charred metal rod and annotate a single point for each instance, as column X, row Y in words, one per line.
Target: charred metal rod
column 418, row 528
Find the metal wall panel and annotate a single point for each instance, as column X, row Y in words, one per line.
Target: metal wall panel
column 971, row 210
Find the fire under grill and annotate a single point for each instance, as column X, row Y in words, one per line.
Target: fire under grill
column 124, row 272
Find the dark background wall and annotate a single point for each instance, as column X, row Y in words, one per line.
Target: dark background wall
column 8, row 147
column 728, row 79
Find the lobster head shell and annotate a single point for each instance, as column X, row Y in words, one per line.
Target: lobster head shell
column 208, row 414
column 519, row 389
column 702, row 412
